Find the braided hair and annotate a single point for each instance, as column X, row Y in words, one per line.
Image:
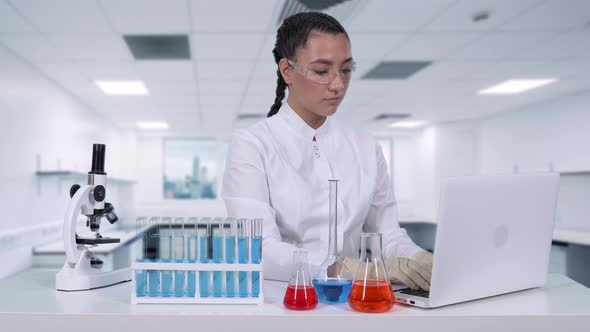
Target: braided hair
column 292, row 35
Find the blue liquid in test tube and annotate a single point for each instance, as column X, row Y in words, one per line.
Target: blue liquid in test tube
column 191, row 254
column 230, row 257
column 243, row 234
column 204, row 234
column 166, row 255
column 217, row 256
column 179, row 240
column 140, row 256
column 154, row 275
column 256, row 250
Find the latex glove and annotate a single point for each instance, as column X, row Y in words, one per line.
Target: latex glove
column 415, row 272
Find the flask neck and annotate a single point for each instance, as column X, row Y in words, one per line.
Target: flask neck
column 371, row 247
column 333, row 219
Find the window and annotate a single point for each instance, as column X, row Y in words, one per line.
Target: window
column 192, row 168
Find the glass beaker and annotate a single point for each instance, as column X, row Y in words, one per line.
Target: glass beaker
column 371, row 291
column 333, row 280
column 300, row 294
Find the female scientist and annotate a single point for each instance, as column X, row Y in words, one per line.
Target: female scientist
column 279, row 168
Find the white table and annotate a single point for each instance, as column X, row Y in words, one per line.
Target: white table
column 29, row 302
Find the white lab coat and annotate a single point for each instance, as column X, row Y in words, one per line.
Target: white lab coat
column 276, row 171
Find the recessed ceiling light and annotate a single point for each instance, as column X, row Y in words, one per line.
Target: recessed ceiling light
column 516, row 86
column 407, row 124
column 126, row 88
column 152, row 125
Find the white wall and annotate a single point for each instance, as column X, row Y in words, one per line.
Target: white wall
column 537, row 136
column 437, row 152
column 541, row 138
column 41, row 122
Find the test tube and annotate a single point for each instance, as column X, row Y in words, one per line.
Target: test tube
column 191, row 254
column 243, row 239
column 204, row 233
column 166, row 254
column 179, row 240
column 256, row 253
column 230, row 256
column 217, row 232
column 140, row 256
column 153, row 242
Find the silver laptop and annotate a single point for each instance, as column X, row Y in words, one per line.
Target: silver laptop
column 493, row 237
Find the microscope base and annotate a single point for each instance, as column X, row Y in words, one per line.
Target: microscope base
column 83, row 277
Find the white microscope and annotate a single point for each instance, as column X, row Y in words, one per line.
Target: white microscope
column 82, row 270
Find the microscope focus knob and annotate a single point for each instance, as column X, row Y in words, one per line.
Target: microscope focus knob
column 99, row 193
column 73, row 189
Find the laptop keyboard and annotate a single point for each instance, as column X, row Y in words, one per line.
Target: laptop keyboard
column 414, row 292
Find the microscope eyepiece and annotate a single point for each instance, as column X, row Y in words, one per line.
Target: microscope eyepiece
column 98, row 152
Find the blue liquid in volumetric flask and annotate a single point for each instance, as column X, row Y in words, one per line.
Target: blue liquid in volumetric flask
column 230, row 284
column 140, row 283
column 256, row 259
column 217, row 258
column 242, row 258
column 204, row 275
column 332, row 291
column 154, row 282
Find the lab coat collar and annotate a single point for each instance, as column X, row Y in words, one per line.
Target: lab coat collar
column 296, row 123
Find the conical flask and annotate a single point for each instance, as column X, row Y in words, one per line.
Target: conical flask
column 333, row 280
column 371, row 291
column 300, row 294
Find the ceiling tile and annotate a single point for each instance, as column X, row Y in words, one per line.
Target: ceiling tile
column 268, row 44
column 224, row 100
column 374, row 45
column 221, row 88
column 173, row 72
column 500, row 45
column 158, row 88
column 33, row 47
column 64, row 16
column 148, row 16
column 430, row 46
column 568, row 45
column 551, row 15
column 109, row 71
column 396, row 15
column 224, row 46
column 224, row 70
column 97, row 47
column 11, row 21
column 234, row 16
column 459, row 16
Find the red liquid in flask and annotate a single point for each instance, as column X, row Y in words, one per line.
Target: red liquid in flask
column 300, row 298
column 371, row 296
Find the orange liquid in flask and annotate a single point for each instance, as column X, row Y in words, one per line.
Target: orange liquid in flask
column 371, row 296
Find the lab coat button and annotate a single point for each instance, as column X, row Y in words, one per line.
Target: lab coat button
column 315, row 148
column 317, row 155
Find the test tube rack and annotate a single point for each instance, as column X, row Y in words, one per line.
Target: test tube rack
column 199, row 267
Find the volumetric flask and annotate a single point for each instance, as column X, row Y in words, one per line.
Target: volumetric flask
column 300, row 294
column 333, row 280
column 371, row 291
